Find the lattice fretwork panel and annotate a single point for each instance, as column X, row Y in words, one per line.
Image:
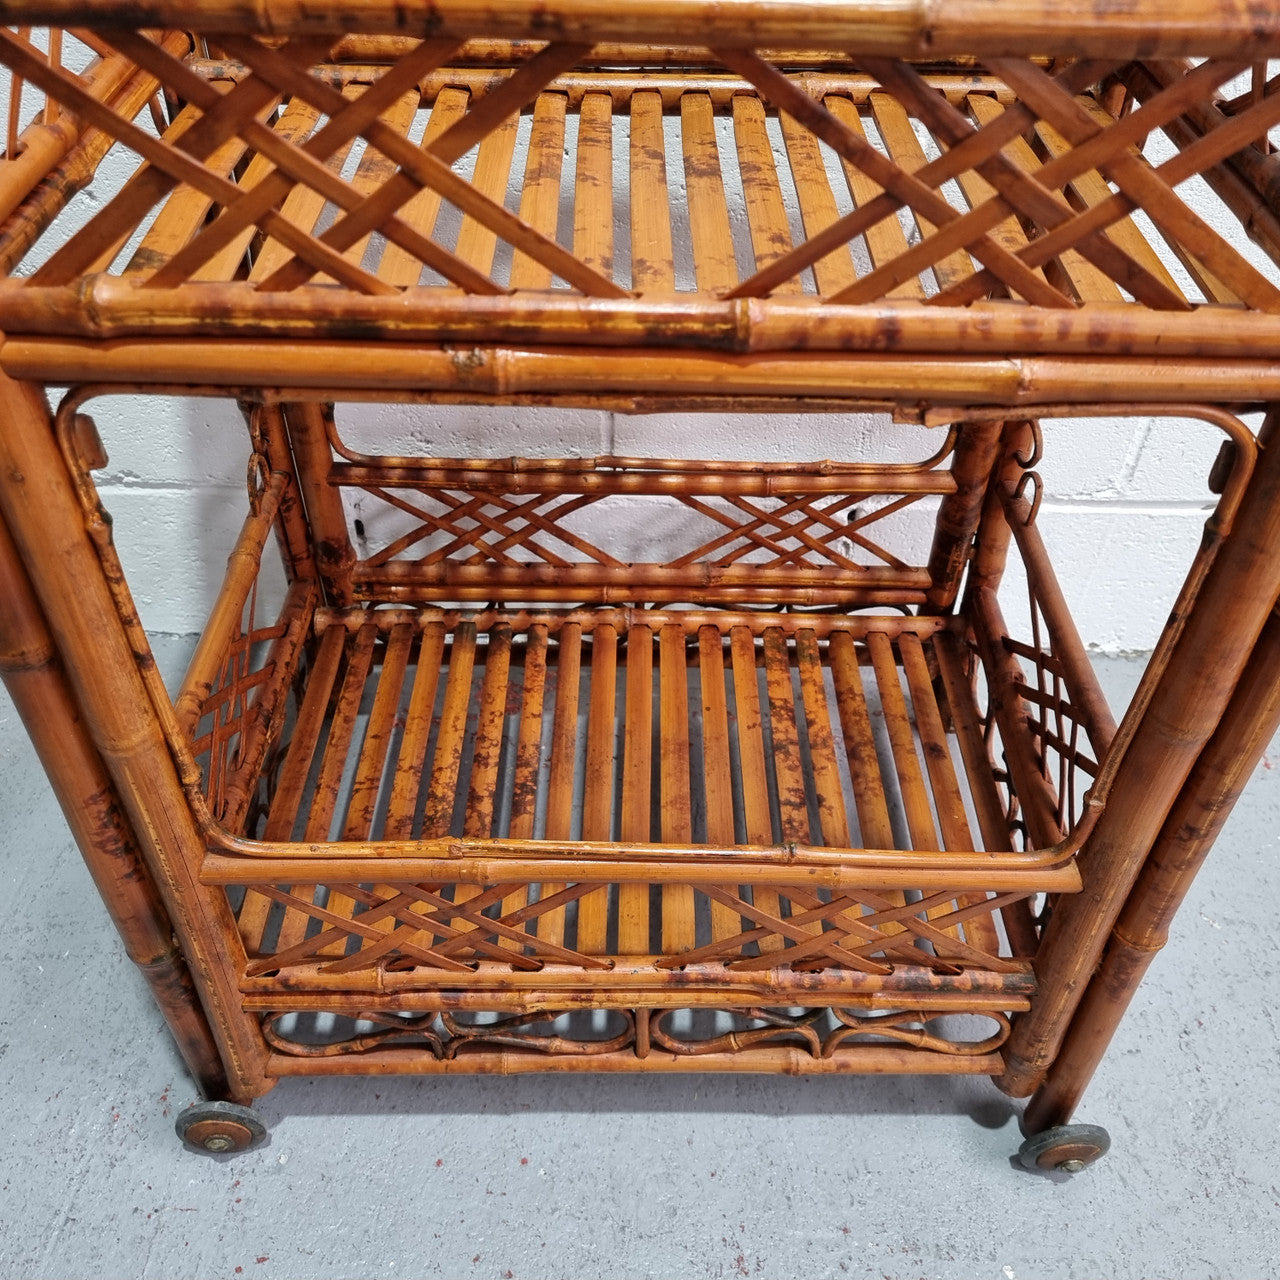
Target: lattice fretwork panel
column 355, row 928
column 284, row 170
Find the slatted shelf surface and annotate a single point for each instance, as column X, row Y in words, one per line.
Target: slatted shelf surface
column 558, row 732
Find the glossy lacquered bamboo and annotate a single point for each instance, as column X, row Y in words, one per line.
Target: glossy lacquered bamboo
column 566, row 375
column 37, row 683
column 894, row 27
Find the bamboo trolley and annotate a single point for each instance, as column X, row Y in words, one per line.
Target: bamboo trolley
column 487, row 786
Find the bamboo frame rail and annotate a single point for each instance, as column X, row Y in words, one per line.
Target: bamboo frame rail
column 898, row 27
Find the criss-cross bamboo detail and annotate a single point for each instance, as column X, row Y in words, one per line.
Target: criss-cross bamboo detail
column 1019, row 231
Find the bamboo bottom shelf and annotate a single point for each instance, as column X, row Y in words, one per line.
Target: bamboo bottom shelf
column 657, row 744
column 564, row 835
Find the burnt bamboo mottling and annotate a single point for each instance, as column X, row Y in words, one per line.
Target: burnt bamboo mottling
column 35, row 679
column 1250, row 722
column 48, row 527
column 485, row 757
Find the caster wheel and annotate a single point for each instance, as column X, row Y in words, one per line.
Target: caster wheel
column 222, row 1128
column 1066, row 1148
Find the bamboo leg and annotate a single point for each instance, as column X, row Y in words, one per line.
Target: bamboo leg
column 37, row 683
column 48, row 526
column 1251, row 721
column 1194, row 690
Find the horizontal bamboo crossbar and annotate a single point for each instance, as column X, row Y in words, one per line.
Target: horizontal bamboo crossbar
column 628, row 984
column 325, row 370
column 779, row 1060
column 107, row 307
column 904, row 28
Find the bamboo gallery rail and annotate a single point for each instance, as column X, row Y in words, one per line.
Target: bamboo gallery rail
column 516, row 763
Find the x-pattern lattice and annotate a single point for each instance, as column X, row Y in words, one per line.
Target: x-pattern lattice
column 487, row 527
column 221, row 736
column 1065, row 751
column 987, row 146
column 862, row 931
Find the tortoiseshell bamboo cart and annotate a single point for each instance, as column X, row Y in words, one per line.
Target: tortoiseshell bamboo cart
column 492, row 787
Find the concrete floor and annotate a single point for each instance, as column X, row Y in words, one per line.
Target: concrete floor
column 893, row 1178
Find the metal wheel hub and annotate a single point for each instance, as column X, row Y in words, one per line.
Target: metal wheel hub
column 220, row 1128
column 1066, row 1148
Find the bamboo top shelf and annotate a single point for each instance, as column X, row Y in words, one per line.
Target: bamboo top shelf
column 818, row 184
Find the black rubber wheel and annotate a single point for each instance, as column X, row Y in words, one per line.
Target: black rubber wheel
column 1066, row 1148
column 221, row 1128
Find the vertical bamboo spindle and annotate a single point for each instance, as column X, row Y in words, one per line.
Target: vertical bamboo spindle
column 33, row 674
column 1197, row 684
column 47, row 524
column 1203, row 806
column 334, row 555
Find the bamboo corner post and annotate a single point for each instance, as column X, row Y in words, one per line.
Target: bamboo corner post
column 47, row 526
column 1203, row 806
column 36, row 682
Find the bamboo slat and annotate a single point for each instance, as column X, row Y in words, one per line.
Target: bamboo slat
column 477, row 243
column 766, row 213
column 560, row 782
column 598, row 799
column 637, row 768
column 297, row 120
column 411, row 757
column 817, row 202
column 303, row 206
column 717, row 763
column 442, row 791
column 885, row 238
column 375, row 169
column 528, row 757
column 399, row 266
column 713, row 257
column 758, row 821
column 324, row 801
column 947, row 798
column 903, row 145
column 678, row 922
column 487, row 749
column 593, row 184
column 540, row 190
column 652, row 263
column 184, row 212
column 287, row 800
column 828, row 789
